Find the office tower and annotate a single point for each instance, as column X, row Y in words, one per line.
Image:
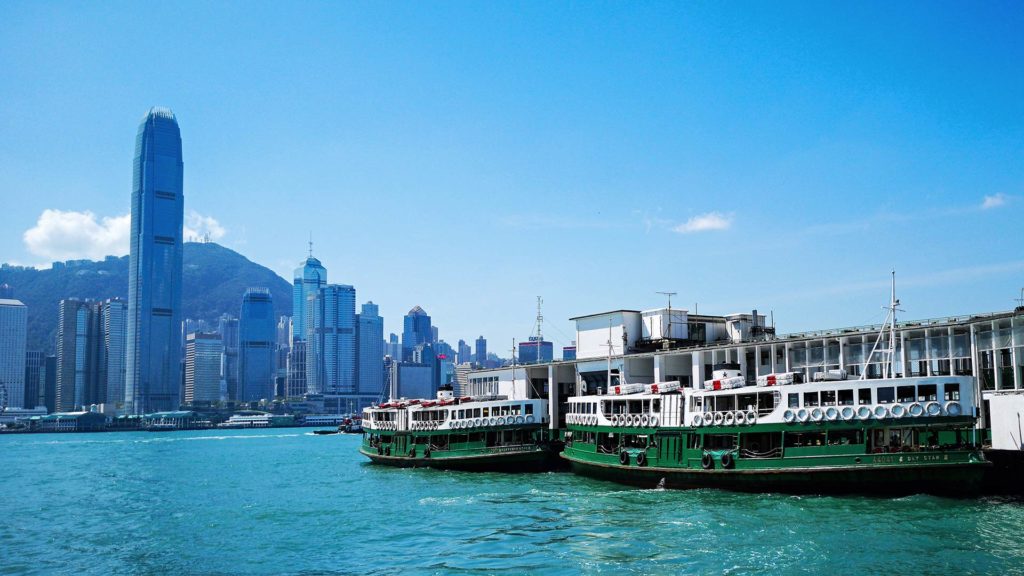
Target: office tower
column 282, row 350
column 393, row 347
column 416, row 331
column 370, row 350
column 481, row 351
column 227, row 327
column 49, row 380
column 77, row 354
column 464, row 354
column 13, row 334
column 114, row 329
column 203, row 352
column 153, row 371
column 257, row 329
column 433, row 334
column 34, row 360
column 331, row 342
column 535, row 350
column 309, row 278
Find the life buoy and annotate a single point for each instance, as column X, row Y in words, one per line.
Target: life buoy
column 494, row 421
column 624, row 458
column 816, row 414
column 501, row 420
column 863, row 412
column 641, row 459
column 529, row 419
column 708, row 418
column 802, row 415
column 727, row 461
column 932, row 408
column 654, row 420
column 729, row 419
column 741, row 418
column 831, row 413
column 645, row 420
column 697, row 420
column 848, row 413
column 788, row 416
column 881, row 412
column 953, row 408
column 898, row 411
column 707, row 462
column 751, row 417
column 915, row 410
column 719, row 418
column 519, row 419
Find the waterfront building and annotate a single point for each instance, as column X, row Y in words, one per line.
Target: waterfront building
column 12, row 416
column 203, row 353
column 257, row 327
column 535, row 350
column 330, row 355
column 82, row 421
column 481, row 351
column 91, row 338
column 13, row 334
column 416, row 331
column 153, row 364
column 227, row 327
column 370, row 350
column 34, row 361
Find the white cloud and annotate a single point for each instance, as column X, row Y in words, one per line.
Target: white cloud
column 69, row 235
column 704, row 222
column 994, row 201
column 198, row 226
column 60, row 235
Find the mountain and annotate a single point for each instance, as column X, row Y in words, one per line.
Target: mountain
column 214, row 279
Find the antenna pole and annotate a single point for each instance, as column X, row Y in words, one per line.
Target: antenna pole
column 669, row 295
column 609, row 356
column 513, row 367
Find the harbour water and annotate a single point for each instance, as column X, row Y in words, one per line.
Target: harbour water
column 284, row 501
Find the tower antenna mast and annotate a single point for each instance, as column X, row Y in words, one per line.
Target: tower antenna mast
column 540, row 321
column 669, row 295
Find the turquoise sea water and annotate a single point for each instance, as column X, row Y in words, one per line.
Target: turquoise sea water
column 287, row 502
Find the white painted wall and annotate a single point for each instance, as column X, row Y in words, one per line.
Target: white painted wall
column 592, row 333
column 1007, row 416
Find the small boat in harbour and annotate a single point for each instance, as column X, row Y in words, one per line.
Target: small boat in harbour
column 468, row 433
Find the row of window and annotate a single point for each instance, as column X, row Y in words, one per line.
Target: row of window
column 882, row 395
column 623, row 406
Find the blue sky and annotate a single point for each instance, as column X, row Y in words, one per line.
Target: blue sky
column 467, row 157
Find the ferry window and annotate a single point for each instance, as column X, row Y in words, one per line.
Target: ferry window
column 462, row 414
column 952, row 391
column 634, row 407
column 794, row 400
column 810, row 399
column 804, row 439
column 864, row 396
column 693, row 442
column 487, row 412
column 606, row 408
column 927, row 392
column 634, row 441
column 647, row 406
column 846, row 437
column 846, row 397
column 529, row 408
column 828, row 398
column 656, row 405
column 719, row 441
column 905, row 394
column 886, row 395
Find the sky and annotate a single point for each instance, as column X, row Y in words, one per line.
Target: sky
column 468, row 157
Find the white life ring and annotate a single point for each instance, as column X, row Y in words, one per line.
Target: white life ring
column 697, row 420
column 708, row 418
column 898, row 411
column 751, row 417
column 529, row 418
column 817, row 414
column 802, row 415
column 915, row 409
column 634, row 420
column 953, row 408
column 719, row 417
column 831, row 413
column 729, row 419
column 501, row 420
column 493, row 421
column 863, row 412
column 847, row 413
column 932, row 408
column 645, row 420
column 654, row 420
column 881, row 412
column 741, row 418
column 788, row 416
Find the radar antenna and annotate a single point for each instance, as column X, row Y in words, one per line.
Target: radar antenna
column 888, row 354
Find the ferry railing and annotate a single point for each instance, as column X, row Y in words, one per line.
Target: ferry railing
column 773, row 453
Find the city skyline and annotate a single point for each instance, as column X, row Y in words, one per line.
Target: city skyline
column 715, row 179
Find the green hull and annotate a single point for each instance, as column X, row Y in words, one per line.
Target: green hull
column 953, row 479
column 537, row 460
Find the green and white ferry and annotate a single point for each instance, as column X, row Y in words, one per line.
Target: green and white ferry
column 891, row 435
column 472, row 433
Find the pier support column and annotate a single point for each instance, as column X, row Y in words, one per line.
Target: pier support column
column 552, row 397
column 659, row 368
column 698, row 369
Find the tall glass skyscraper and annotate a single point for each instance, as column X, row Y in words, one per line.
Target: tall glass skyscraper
column 370, row 350
column 257, row 334
column 309, row 279
column 416, row 330
column 331, row 330
column 153, row 371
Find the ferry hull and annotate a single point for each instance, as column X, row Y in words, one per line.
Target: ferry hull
column 527, row 461
column 959, row 480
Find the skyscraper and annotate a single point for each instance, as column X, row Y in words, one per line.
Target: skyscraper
column 34, row 373
column 77, row 354
column 257, row 331
column 464, row 353
column 331, row 341
column 202, row 368
column 114, row 327
column 13, row 333
column 416, row 331
column 370, row 350
column 227, row 326
column 154, row 266
column 309, row 278
column 481, row 351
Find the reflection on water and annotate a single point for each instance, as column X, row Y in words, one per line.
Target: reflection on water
column 271, row 503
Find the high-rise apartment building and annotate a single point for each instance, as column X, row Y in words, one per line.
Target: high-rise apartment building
column 203, row 352
column 370, row 350
column 257, row 331
column 13, row 333
column 416, row 330
column 153, row 364
column 331, row 340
